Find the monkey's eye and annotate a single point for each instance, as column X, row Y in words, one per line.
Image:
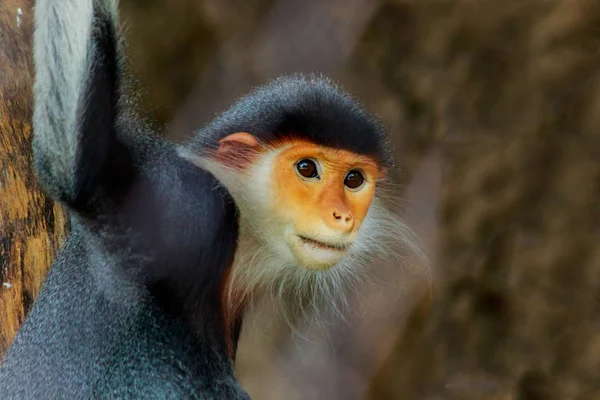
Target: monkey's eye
column 307, row 168
column 354, row 179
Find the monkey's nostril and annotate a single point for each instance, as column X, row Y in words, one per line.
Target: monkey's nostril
column 345, row 217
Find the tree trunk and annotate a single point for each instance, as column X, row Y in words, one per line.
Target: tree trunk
column 31, row 226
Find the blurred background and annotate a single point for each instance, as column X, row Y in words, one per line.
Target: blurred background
column 494, row 110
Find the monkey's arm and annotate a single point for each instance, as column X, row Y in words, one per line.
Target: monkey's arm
column 76, row 96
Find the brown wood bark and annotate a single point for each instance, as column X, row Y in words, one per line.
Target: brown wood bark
column 31, row 225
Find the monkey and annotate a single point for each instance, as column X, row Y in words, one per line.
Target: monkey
column 281, row 194
column 307, row 167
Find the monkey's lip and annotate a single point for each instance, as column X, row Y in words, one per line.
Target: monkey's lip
column 316, row 254
column 341, row 247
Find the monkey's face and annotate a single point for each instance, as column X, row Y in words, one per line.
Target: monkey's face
column 320, row 197
column 305, row 202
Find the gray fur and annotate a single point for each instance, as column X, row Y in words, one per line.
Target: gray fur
column 67, row 69
column 130, row 307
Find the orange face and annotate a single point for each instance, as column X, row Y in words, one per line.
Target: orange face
column 324, row 194
column 321, row 203
column 317, row 196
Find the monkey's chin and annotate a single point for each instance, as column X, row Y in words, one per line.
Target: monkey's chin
column 315, row 255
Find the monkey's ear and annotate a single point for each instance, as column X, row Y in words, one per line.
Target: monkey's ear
column 237, row 140
column 238, row 149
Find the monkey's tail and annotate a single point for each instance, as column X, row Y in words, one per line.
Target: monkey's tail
column 76, row 91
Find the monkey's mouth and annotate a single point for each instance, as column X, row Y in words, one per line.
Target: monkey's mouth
column 342, row 247
column 316, row 254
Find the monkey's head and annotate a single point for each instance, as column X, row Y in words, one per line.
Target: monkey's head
column 304, row 164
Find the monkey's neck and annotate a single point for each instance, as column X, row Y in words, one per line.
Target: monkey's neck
column 232, row 317
column 237, row 291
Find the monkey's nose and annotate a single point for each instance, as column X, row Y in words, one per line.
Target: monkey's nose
column 342, row 220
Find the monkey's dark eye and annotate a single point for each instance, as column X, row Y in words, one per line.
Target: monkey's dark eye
column 307, row 168
column 354, row 179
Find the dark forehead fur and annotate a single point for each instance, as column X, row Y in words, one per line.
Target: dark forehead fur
column 310, row 107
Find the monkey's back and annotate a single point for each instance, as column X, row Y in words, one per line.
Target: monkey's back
column 99, row 330
column 76, row 343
